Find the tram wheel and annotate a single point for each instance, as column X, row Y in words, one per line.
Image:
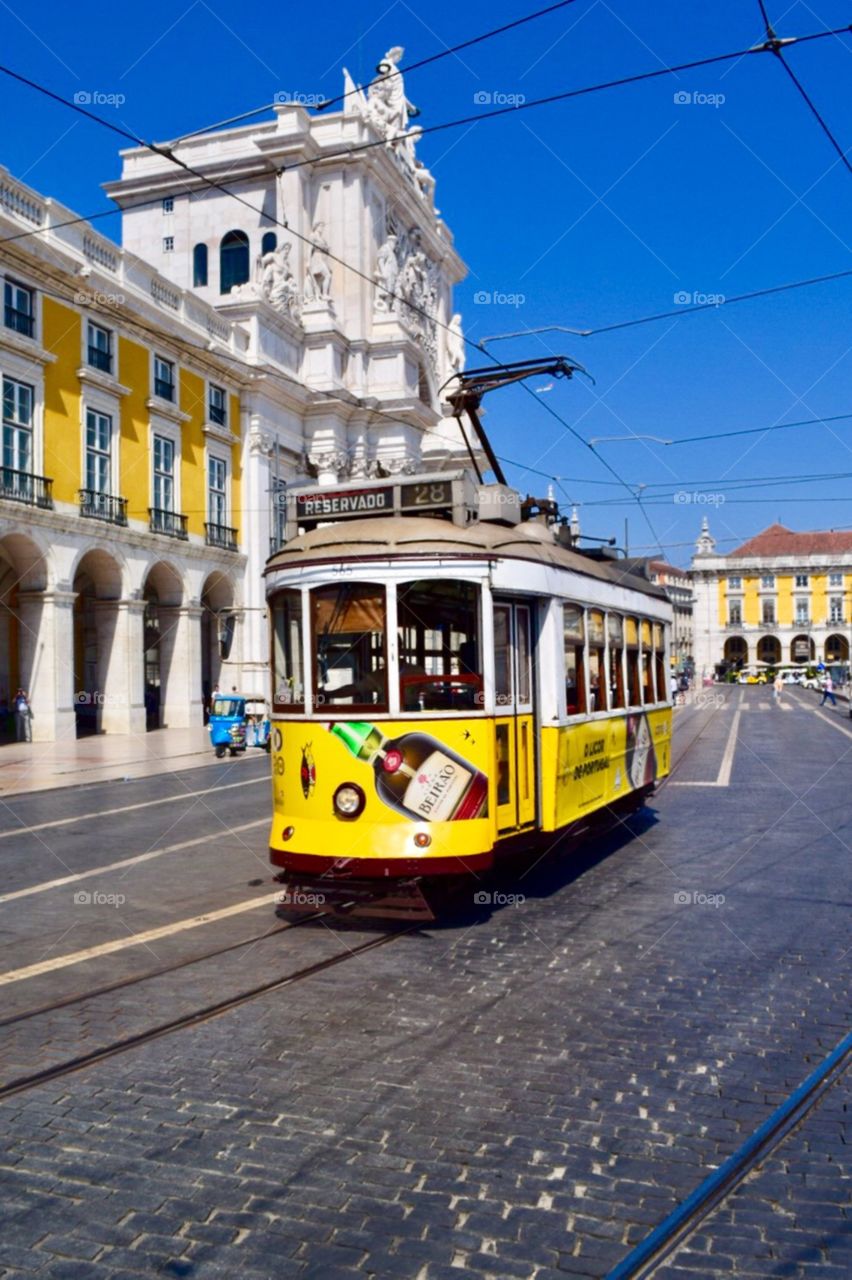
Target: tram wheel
column 220, row 751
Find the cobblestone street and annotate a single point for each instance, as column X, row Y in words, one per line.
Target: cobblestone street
column 521, row 1090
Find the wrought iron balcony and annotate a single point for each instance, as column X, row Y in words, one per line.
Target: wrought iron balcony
column 100, row 359
column 219, row 535
column 103, row 506
column 171, row 523
column 23, row 486
column 20, row 321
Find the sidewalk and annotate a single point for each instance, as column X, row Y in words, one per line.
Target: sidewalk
column 38, row 766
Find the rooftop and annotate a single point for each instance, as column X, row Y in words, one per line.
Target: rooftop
column 778, row 540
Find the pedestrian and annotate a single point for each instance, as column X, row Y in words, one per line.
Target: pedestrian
column 828, row 691
column 23, row 717
column 778, row 686
column 674, row 689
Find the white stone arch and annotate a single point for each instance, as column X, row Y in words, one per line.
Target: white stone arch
column 219, row 615
column 169, row 657
column 102, row 694
column 107, row 568
column 26, row 574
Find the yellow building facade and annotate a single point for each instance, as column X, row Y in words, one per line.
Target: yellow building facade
column 121, row 508
column 782, row 598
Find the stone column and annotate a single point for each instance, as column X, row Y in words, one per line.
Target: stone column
column 121, row 677
column 180, row 666
column 46, row 647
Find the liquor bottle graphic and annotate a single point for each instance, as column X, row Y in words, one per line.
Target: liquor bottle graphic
column 416, row 775
column 640, row 753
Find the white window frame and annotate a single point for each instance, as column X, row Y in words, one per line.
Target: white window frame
column 217, row 455
column 832, row 602
column 20, row 369
column 102, row 401
column 168, row 204
column 168, row 431
column 18, row 282
column 801, row 582
column 799, row 606
column 113, row 333
column 168, row 244
column 226, row 425
column 175, row 367
column 835, row 579
column 735, row 582
column 110, row 491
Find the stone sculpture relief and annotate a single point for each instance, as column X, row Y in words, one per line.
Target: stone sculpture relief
column 318, row 274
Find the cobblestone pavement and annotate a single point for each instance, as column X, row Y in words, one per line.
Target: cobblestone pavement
column 523, row 1091
column 791, row 1217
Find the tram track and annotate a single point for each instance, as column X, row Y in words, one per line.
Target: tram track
column 693, row 741
column 198, row 1016
column 677, row 1228
column 135, row 979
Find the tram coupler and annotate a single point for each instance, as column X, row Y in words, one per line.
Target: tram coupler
column 353, row 899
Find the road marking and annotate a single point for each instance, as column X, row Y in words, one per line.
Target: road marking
column 832, row 721
column 145, row 804
column 44, row 885
column 723, row 778
column 136, row 940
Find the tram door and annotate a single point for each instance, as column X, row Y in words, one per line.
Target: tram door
column 515, row 725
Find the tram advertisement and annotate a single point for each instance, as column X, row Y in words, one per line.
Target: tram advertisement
column 410, row 773
column 596, row 763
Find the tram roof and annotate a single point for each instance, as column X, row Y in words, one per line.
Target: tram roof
column 380, row 537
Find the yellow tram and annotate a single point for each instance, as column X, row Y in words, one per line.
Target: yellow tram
column 447, row 676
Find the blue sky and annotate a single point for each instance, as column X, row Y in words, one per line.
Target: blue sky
column 577, row 214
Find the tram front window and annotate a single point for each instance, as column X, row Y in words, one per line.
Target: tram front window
column 288, row 679
column 348, row 640
column 439, row 650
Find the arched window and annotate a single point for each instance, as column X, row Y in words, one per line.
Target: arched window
column 233, row 260
column 199, row 266
column 269, row 243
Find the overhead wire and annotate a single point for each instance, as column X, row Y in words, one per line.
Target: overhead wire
column 777, row 47
column 166, row 152
column 400, row 71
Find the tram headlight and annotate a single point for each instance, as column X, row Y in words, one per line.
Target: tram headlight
column 349, row 800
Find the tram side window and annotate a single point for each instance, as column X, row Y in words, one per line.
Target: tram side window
column 631, row 642
column 660, row 661
column 348, row 640
column 288, row 680
column 439, row 650
column 648, row 695
column 575, row 671
column 615, row 630
column 598, row 700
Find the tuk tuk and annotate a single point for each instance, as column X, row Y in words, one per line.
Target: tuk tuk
column 238, row 721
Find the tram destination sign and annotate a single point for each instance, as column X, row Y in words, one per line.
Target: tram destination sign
column 445, row 494
column 351, row 502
